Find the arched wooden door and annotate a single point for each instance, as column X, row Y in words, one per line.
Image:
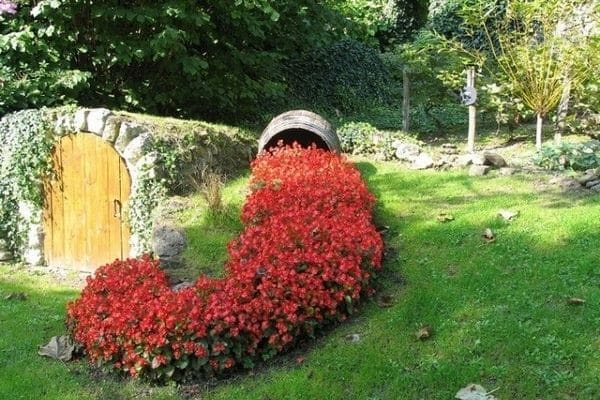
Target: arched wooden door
column 84, row 200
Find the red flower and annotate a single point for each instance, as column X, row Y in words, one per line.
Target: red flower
column 304, row 258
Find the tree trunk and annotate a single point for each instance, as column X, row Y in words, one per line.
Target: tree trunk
column 538, row 131
column 563, row 108
column 405, row 100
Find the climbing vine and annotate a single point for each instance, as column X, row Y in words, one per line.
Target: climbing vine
column 147, row 193
column 27, row 141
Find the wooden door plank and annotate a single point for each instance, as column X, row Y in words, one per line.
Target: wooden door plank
column 68, row 193
column 58, row 231
column 113, row 193
column 90, row 201
column 47, row 214
column 125, row 191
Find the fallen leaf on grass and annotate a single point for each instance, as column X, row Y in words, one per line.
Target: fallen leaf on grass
column 444, row 217
column 385, row 300
column 575, row 301
column 383, row 229
column 474, row 392
column 508, row 215
column 59, row 348
column 16, row 296
column 353, row 338
column 424, row 333
column 488, row 235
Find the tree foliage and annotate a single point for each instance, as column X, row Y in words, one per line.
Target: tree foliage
column 179, row 57
column 347, row 76
column 530, row 47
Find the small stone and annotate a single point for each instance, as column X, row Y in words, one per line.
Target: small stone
column 508, row 215
column 448, row 146
column 506, row 171
column 353, row 338
column 479, row 170
column 96, row 120
column 424, row 332
column 181, row 286
column 494, row 159
column 474, row 392
column 423, row 161
column 593, row 183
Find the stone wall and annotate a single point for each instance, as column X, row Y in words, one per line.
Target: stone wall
column 133, row 138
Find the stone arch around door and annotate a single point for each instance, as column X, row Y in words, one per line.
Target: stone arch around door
column 88, row 138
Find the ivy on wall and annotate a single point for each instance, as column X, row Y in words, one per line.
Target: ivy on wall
column 168, row 156
column 26, row 139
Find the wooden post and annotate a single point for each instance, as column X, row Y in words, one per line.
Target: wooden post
column 472, row 113
column 405, row 99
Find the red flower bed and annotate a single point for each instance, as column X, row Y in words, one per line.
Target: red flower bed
column 304, row 259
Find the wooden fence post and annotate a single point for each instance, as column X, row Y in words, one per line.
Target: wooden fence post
column 472, row 112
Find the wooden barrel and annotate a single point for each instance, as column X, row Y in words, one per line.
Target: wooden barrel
column 301, row 126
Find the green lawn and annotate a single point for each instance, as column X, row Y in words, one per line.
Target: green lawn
column 498, row 311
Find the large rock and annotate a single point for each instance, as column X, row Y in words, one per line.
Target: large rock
column 96, row 120
column 110, row 132
column 591, row 184
column 423, row 161
column 479, row 170
column 80, row 119
column 568, row 183
column 137, row 147
column 168, row 244
column 506, row 171
column 406, row 151
column 478, row 159
column 595, row 188
column 494, row 159
column 589, row 175
column 127, row 132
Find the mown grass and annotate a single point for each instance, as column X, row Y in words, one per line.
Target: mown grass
column 499, row 311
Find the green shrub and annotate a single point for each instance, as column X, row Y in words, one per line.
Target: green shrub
column 576, row 156
column 362, row 138
column 347, row 76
